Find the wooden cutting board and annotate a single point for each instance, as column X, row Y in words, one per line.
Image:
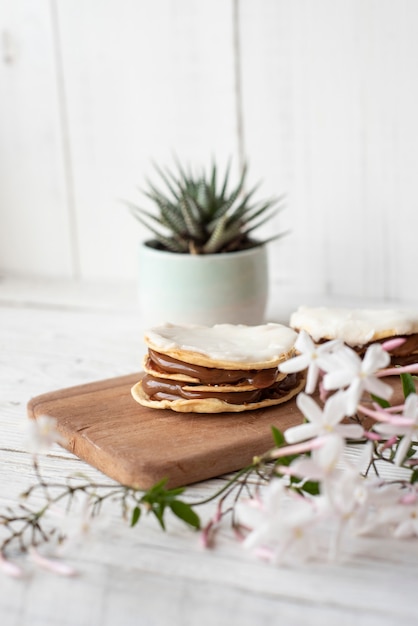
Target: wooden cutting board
column 102, row 424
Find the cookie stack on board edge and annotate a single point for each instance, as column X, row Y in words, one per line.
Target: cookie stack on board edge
column 217, row 369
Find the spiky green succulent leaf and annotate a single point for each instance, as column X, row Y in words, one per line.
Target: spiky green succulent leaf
column 223, row 237
column 170, row 180
column 169, row 243
column 202, row 217
column 216, row 239
column 191, row 215
column 172, row 220
column 226, row 179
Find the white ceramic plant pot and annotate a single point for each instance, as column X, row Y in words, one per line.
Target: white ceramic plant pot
column 203, row 289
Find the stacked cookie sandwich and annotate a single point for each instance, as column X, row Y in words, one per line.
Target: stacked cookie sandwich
column 358, row 328
column 222, row 368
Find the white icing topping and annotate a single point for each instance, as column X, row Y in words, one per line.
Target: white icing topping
column 354, row 326
column 226, row 342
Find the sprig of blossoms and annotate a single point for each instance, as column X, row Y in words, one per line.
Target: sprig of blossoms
column 341, row 495
column 30, row 526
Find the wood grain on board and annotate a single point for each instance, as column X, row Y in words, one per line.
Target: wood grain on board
column 135, row 445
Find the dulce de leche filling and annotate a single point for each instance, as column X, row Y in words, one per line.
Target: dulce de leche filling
column 405, row 354
column 163, row 364
column 163, row 389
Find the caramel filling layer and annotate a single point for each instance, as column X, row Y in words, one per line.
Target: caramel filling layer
column 403, row 355
column 164, row 364
column 163, row 389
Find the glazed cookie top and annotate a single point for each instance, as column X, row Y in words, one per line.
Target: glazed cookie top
column 224, row 345
column 354, row 326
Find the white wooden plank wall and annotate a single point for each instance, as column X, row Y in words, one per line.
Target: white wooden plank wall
column 35, row 229
column 92, row 91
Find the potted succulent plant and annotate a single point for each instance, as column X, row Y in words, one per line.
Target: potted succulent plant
column 203, row 265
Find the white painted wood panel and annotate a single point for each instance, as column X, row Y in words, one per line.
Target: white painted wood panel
column 145, row 80
column 266, row 101
column 341, row 136
column 401, row 88
column 35, row 225
column 92, row 92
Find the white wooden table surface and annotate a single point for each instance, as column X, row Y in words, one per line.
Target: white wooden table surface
column 54, row 336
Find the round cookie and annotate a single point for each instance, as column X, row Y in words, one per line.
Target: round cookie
column 356, row 327
column 224, row 346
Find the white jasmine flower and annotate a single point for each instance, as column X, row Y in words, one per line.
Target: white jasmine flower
column 385, row 510
column 349, row 493
column 310, row 357
column 407, row 523
column 344, row 492
column 347, row 369
column 323, row 461
column 41, row 434
column 74, row 524
column 252, row 512
column 323, row 421
column 405, row 426
column 281, row 524
column 348, row 498
column 395, row 511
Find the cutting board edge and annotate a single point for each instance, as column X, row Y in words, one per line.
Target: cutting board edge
column 77, row 390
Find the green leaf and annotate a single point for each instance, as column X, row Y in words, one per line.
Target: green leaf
column 185, row 512
column 159, row 486
column 311, row 486
column 286, row 460
column 172, row 493
column 158, row 511
column 278, row 437
column 168, row 178
column 380, row 401
column 225, row 183
column 190, row 212
column 408, row 385
column 411, row 451
column 214, row 242
column 136, row 514
column 159, row 495
column 213, row 180
column 414, row 476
